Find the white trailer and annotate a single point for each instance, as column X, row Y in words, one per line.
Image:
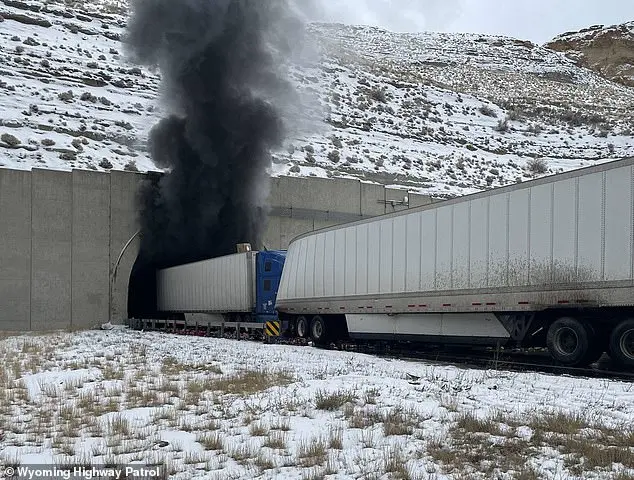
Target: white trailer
column 546, row 262
column 217, row 286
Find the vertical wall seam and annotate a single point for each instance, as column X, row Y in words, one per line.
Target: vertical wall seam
column 110, row 286
column 31, row 260
column 72, row 240
column 108, row 246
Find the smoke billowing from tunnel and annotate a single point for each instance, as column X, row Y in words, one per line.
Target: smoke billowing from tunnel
column 223, row 89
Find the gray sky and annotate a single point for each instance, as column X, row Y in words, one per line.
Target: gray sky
column 536, row 20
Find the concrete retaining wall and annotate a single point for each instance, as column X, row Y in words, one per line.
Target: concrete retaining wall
column 62, row 233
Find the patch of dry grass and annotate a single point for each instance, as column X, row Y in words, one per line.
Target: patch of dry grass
column 210, row 441
column 249, row 382
column 264, row 462
column 586, row 445
column 312, row 452
column 362, row 417
column 258, row 429
column 334, row 400
column 400, row 421
column 276, row 440
column 174, row 367
column 281, row 423
column 243, row 451
column 395, row 463
column 335, row 440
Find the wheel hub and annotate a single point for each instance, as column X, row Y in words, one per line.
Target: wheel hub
column 566, row 341
column 627, row 344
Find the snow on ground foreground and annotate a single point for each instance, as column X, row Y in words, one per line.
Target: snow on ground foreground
column 215, row 408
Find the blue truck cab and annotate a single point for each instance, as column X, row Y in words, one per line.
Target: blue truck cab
column 268, row 273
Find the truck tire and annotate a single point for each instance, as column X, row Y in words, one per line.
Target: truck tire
column 568, row 342
column 622, row 343
column 301, row 327
column 318, row 331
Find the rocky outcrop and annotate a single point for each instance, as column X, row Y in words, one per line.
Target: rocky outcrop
column 606, row 50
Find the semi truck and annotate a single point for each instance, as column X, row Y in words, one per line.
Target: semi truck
column 545, row 263
column 237, row 289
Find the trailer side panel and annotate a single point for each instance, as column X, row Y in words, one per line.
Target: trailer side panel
column 224, row 284
column 561, row 240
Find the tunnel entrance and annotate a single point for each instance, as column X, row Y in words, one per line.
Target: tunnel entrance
column 142, row 290
column 142, row 284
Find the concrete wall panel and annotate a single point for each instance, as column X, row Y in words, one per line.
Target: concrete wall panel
column 90, row 248
column 417, row 200
column 323, row 194
column 372, row 199
column 51, row 249
column 123, row 226
column 274, row 192
column 15, row 250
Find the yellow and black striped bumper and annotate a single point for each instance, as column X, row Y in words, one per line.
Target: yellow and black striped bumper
column 272, row 329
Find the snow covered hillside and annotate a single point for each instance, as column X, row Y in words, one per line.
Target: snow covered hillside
column 441, row 114
column 223, row 409
column 68, row 98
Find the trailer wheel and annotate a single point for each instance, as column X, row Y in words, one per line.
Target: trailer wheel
column 301, row 327
column 568, row 342
column 318, row 330
column 622, row 343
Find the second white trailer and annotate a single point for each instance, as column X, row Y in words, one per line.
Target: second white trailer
column 562, row 244
column 219, row 285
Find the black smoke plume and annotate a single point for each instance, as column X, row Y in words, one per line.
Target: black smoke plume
column 221, row 66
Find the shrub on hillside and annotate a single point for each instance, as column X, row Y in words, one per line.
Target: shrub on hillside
column 503, row 125
column 537, row 166
column 334, row 156
column 487, row 111
column 378, row 95
column 131, row 166
column 105, row 164
column 10, row 139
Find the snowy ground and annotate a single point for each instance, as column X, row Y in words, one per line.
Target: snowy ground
column 212, row 408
